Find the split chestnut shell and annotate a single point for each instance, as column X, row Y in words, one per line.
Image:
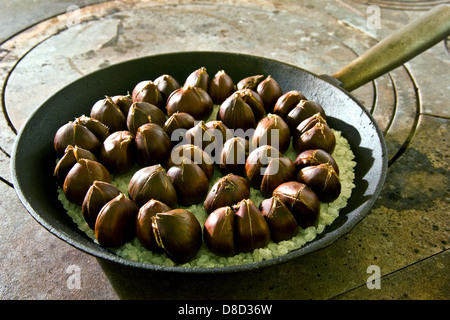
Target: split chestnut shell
column 227, row 191
column 280, row 219
column 192, row 100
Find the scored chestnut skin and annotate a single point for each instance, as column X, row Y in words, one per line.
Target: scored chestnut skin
column 147, row 91
column 75, row 135
column 221, row 87
column 143, row 112
column 166, row 84
column 153, row 145
column 280, row 219
column 233, row 156
column 227, row 191
column 314, row 133
column 270, row 91
column 218, row 232
column 314, row 157
column 68, row 160
column 118, row 152
column 108, row 112
column 189, row 153
column 192, row 100
column 302, row 111
column 198, row 78
column 323, row 179
column 272, row 130
column 236, row 114
column 287, row 102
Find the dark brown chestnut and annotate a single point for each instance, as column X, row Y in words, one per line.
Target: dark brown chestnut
column 221, row 87
column 192, row 100
column 178, row 233
column 301, row 201
column 153, row 145
column 323, row 180
column 198, row 78
column 179, row 120
column 147, row 91
column 303, row 110
column 199, row 135
column 152, row 183
column 287, row 102
column 144, row 228
column 141, row 113
column 269, row 90
column 98, row 194
column 227, row 191
column 100, row 130
column 218, row 232
column 250, row 82
column 313, row 157
column 255, row 102
column 188, row 153
column 252, row 230
column 219, row 130
column 107, row 112
column 190, row 183
column 75, row 135
column 71, row 156
column 233, row 156
column 314, row 133
column 166, row 84
column 281, row 221
column 236, row 114
column 81, row 177
column 272, row 130
column 117, row 153
column 124, row 103
column 115, row 224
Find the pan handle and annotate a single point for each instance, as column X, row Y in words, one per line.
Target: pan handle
column 400, row 47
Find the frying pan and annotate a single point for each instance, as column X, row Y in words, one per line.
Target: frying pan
column 33, row 156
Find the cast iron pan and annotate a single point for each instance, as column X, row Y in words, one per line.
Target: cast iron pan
column 33, row 157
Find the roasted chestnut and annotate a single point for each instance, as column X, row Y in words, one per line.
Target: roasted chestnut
column 314, row 133
column 153, row 145
column 152, row 183
column 227, row 191
column 221, row 87
column 178, row 233
column 272, row 130
column 252, row 230
column 192, row 100
column 198, row 78
column 323, row 180
column 74, row 134
column 166, row 84
column 144, row 228
column 281, row 221
column 219, row 130
column 287, row 102
column 301, row 201
column 178, row 120
column 314, row 157
column 255, row 102
column 123, row 102
column 98, row 194
column 118, row 152
column 303, row 110
column 233, row 156
column 218, row 232
column 107, row 112
column 143, row 112
column 236, row 114
column 199, row 135
column 147, row 91
column 250, row 82
column 269, row 90
column 81, row 177
column 115, row 224
column 100, row 130
column 190, row 183
column 71, row 156
column 188, row 153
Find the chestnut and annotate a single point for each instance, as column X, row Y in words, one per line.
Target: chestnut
column 100, row 130
column 255, row 102
column 192, row 100
column 269, row 90
column 190, row 183
column 236, row 114
column 152, row 183
column 233, row 156
column 166, row 84
column 303, row 110
column 272, row 130
column 124, row 103
column 98, row 194
column 75, row 135
column 144, row 228
column 147, row 91
column 199, row 135
column 252, row 230
column 107, row 112
column 313, row 157
column 178, row 120
column 71, row 156
column 301, row 201
column 221, row 87
column 314, row 133
column 198, row 78
column 227, row 191
column 287, row 102
column 281, row 221
column 219, row 130
column 250, row 82
column 323, row 180
column 141, row 113
column 178, row 233
column 81, row 177
column 218, row 232
column 153, row 145
column 189, row 153
column 118, row 152
column 115, row 224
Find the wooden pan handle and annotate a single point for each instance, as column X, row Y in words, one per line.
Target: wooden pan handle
column 403, row 45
